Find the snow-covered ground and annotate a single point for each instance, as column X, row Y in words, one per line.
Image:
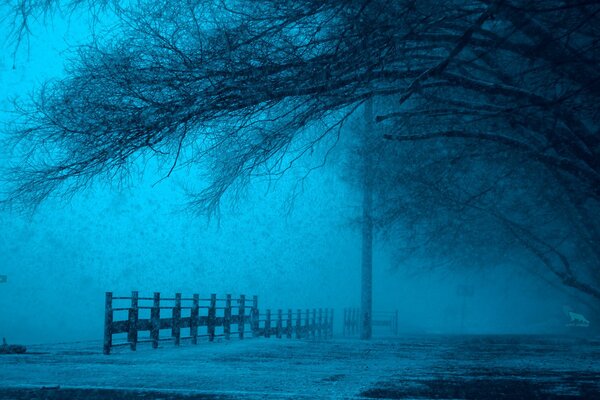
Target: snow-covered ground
column 442, row 367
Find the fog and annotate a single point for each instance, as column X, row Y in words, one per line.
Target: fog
column 61, row 260
column 294, row 241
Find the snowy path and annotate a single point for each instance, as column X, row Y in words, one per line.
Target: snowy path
column 469, row 367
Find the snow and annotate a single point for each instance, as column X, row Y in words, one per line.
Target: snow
column 341, row 368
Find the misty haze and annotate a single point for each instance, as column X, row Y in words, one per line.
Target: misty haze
column 299, row 199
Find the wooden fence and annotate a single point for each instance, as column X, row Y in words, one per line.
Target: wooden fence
column 220, row 317
column 315, row 323
column 352, row 321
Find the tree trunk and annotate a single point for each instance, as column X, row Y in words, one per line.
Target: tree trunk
column 367, row 230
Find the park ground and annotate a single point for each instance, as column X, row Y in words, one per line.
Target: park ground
column 407, row 367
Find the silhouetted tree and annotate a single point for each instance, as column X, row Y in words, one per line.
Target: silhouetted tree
column 233, row 85
column 480, row 206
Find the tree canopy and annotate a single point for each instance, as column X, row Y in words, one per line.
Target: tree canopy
column 241, row 79
column 232, row 86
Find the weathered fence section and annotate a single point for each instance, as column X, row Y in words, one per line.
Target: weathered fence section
column 299, row 324
column 190, row 318
column 386, row 319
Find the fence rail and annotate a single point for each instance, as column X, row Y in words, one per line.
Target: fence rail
column 218, row 315
column 352, row 322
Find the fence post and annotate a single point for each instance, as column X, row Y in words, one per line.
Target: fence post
column 298, row 323
column 242, row 316
column 212, row 313
column 254, row 317
column 279, row 324
column 320, row 324
column 325, row 325
column 176, row 320
column 396, row 323
column 132, row 333
column 288, row 328
column 268, row 324
column 306, row 330
column 227, row 318
column 349, row 322
column 331, row 324
column 108, row 319
column 313, row 331
column 194, row 313
column 155, row 320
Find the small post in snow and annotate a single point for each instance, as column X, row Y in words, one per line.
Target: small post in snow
column 212, row 314
column 320, row 325
column 176, row 323
column 132, row 332
column 155, row 320
column 288, row 327
column 268, row 324
column 108, row 319
column 227, row 318
column 242, row 316
column 194, row 318
column 306, row 329
column 331, row 325
column 298, row 324
column 279, row 324
column 254, row 317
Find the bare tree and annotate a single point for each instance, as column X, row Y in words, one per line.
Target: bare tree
column 216, row 82
column 231, row 86
column 480, row 207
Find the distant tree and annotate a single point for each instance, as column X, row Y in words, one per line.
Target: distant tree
column 462, row 205
column 232, row 86
column 458, row 204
